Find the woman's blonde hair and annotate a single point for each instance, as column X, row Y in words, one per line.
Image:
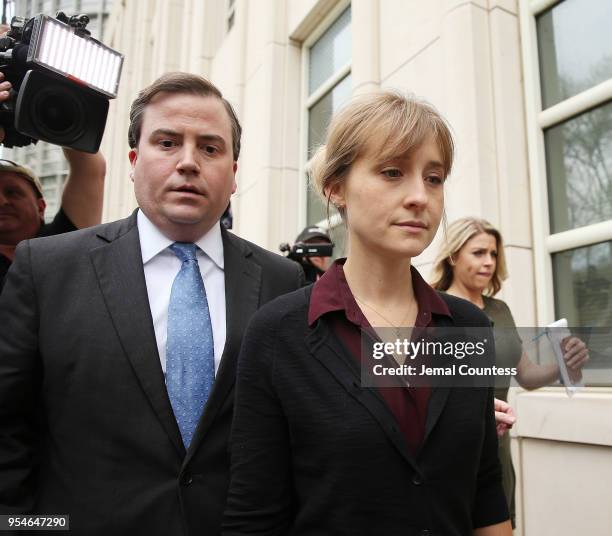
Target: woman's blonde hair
column 387, row 124
column 457, row 235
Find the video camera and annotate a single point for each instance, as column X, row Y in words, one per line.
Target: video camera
column 62, row 81
column 301, row 251
column 311, row 242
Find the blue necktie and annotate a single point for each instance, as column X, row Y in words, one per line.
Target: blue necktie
column 190, row 360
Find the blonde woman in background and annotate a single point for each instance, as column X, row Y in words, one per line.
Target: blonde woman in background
column 472, row 265
column 313, row 452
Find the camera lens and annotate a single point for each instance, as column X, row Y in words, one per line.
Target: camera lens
column 55, row 114
column 59, row 111
column 59, row 114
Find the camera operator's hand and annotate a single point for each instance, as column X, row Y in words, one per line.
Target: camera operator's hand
column 5, row 87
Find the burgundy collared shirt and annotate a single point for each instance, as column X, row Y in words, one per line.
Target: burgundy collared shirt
column 332, row 296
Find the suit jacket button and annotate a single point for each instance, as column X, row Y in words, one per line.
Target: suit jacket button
column 187, row 479
column 417, row 481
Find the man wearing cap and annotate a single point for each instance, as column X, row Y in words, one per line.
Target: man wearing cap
column 314, row 267
column 22, row 204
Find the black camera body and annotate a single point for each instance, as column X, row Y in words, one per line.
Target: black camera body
column 48, row 102
column 300, row 250
column 300, row 253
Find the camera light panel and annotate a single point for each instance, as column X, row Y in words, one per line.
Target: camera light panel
column 56, row 46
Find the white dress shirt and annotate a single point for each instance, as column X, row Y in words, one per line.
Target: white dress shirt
column 161, row 266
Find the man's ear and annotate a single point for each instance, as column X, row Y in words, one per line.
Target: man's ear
column 234, row 185
column 133, row 156
column 41, row 205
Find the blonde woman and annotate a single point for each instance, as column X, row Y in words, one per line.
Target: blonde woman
column 471, row 265
column 313, row 452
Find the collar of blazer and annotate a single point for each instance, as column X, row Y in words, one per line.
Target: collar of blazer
column 118, row 265
column 335, row 357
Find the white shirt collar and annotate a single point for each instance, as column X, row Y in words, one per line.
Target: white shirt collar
column 153, row 241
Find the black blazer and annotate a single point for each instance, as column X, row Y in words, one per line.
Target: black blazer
column 315, row 454
column 86, row 426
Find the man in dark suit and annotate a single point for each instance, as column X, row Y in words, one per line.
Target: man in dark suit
column 119, row 342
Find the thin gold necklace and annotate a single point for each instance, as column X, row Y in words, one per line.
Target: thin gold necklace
column 395, row 327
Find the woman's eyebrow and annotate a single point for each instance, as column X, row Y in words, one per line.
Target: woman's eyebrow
column 435, row 164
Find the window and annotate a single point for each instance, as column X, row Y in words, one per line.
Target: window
column 327, row 86
column 570, row 64
column 568, row 76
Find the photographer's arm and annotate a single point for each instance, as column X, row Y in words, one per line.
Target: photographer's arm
column 84, row 189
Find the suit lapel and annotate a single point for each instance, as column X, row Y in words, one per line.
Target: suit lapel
column 118, row 265
column 335, row 358
column 242, row 296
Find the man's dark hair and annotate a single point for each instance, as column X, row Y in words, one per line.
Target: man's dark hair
column 180, row 83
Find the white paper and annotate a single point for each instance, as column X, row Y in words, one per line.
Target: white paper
column 556, row 335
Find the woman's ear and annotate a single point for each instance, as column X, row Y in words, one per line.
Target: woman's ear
column 335, row 194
